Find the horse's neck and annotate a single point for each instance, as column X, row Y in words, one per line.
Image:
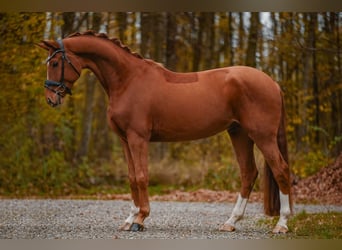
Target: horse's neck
column 110, row 63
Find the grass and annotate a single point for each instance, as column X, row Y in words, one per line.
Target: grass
column 311, row 226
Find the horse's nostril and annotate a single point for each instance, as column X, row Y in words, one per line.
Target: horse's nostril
column 51, row 103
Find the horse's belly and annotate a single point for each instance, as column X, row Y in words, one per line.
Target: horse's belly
column 190, row 112
column 188, row 130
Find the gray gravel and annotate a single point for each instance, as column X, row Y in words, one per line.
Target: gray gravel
column 88, row 219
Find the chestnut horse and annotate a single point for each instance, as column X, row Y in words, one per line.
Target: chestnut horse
column 149, row 103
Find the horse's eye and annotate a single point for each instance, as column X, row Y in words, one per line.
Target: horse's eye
column 54, row 64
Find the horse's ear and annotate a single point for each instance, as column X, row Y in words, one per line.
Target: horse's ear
column 47, row 45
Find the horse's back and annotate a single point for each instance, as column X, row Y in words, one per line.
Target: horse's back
column 209, row 105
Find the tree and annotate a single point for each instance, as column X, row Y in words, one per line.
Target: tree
column 332, row 28
column 121, row 19
column 171, row 33
column 89, row 81
column 252, row 40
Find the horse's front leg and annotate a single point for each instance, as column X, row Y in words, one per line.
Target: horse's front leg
column 136, row 152
column 126, row 226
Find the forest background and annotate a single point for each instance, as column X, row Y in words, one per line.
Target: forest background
column 71, row 150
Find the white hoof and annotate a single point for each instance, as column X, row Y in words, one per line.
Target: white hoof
column 126, row 226
column 227, row 228
column 280, row 229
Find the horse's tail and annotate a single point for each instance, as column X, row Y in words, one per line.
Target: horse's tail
column 271, row 188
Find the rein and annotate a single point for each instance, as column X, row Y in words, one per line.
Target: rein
column 61, row 87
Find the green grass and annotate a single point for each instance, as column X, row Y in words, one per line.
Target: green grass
column 311, row 226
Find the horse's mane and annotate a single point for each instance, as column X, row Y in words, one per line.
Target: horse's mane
column 169, row 75
column 116, row 41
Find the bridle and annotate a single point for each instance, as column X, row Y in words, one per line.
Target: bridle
column 61, row 89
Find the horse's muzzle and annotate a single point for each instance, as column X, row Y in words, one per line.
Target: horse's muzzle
column 52, row 103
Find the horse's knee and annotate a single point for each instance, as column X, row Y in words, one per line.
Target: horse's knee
column 132, row 182
column 141, row 180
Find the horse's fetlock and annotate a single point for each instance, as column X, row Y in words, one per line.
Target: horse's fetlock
column 145, row 212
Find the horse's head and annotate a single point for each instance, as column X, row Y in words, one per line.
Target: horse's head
column 62, row 72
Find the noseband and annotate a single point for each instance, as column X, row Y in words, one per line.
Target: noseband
column 61, row 87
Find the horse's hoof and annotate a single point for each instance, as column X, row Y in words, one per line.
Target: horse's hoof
column 280, row 229
column 137, row 227
column 227, row 228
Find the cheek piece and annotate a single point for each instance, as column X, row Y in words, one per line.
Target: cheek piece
column 60, row 88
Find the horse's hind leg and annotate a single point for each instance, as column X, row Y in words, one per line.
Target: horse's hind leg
column 243, row 147
column 280, row 171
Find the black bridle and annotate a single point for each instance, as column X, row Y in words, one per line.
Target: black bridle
column 61, row 89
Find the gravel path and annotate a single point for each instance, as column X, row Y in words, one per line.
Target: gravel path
column 88, row 219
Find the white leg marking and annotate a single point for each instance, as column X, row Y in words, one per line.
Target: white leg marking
column 130, row 219
column 237, row 214
column 285, row 212
column 134, row 212
column 238, row 210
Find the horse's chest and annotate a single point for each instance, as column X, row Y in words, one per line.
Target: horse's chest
column 118, row 122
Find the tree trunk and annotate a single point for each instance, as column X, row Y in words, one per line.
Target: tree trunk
column 89, row 81
column 171, row 33
column 121, row 19
column 48, row 24
column 70, row 148
column 68, row 19
column 252, row 40
column 208, row 40
column 241, row 43
column 159, row 33
column 312, row 29
column 196, row 42
column 146, row 34
column 230, row 39
column 334, row 24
